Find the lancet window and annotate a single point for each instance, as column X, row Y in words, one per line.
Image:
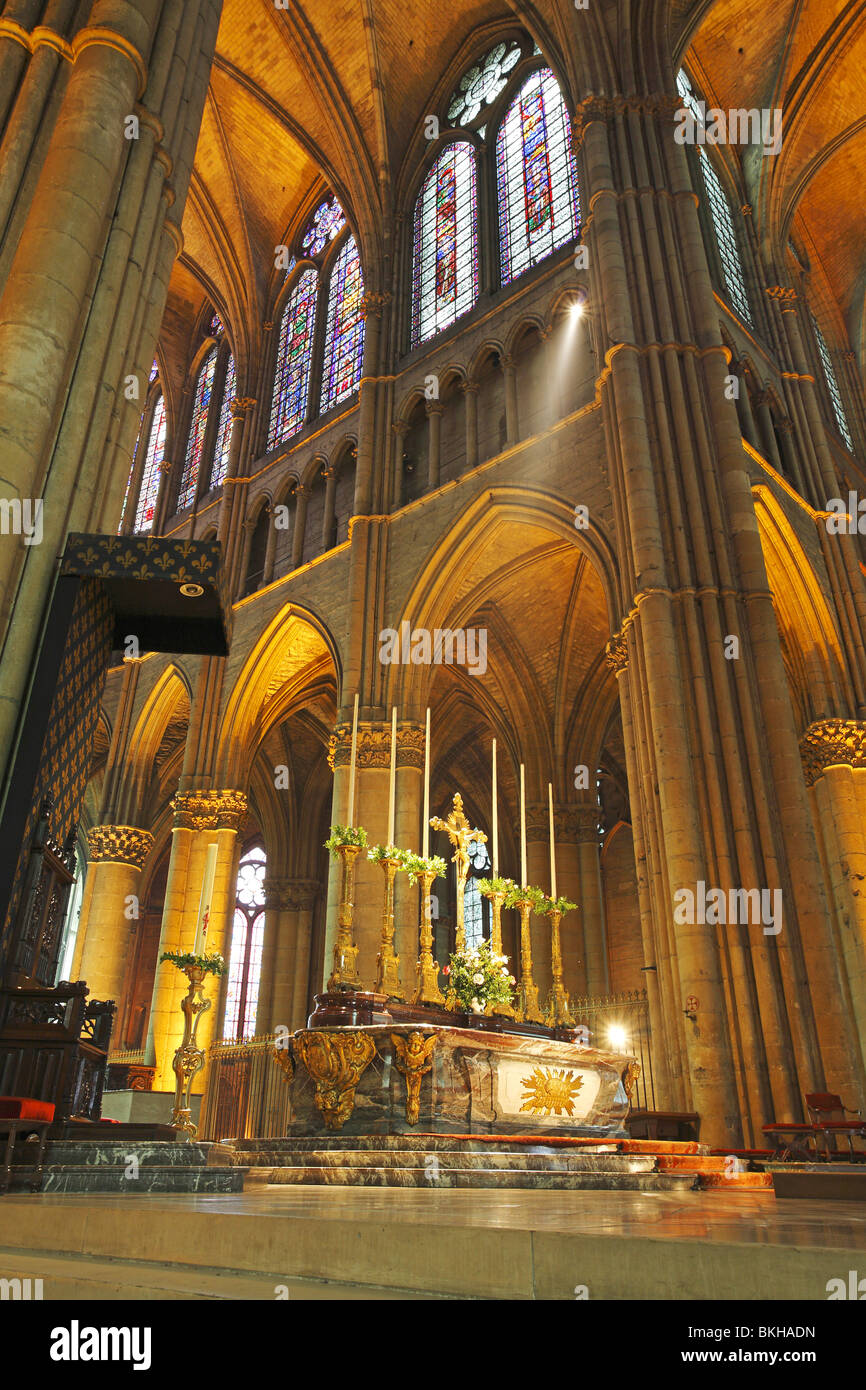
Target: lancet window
column 149, row 490
column 344, row 328
column 197, row 430
column 247, row 941
column 536, row 176
column 224, row 427
column 445, row 281
column 720, row 214
column 294, row 357
column 832, row 385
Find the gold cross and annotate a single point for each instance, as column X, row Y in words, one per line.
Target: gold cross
column 461, row 836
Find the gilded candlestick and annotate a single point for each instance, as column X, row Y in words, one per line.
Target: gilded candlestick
column 189, row 1059
column 427, row 989
column 345, row 972
column 558, row 1006
column 496, row 899
column 528, row 987
column 387, row 963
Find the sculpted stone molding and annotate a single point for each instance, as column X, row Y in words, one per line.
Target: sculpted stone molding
column 574, row 823
column 291, row 894
column 209, row 810
column 240, row 405
column 616, row 652
column 119, row 844
column 785, row 297
column 374, row 746
column 832, row 742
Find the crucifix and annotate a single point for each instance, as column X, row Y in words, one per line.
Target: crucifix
column 461, row 836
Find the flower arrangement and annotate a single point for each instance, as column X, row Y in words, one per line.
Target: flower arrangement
column 346, row 835
column 212, row 963
column 561, row 905
column 487, row 886
column 478, row 980
column 415, row 864
column 379, row 853
column 515, row 894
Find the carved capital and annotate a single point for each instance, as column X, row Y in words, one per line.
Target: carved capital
column 470, row 388
column 209, row 810
column 374, row 746
column 119, row 844
column 616, row 652
column 832, row 742
column 784, row 296
column 291, row 894
column 239, row 406
column 374, row 304
column 570, row 823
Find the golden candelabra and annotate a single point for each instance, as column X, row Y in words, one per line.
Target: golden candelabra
column 345, row 972
column 496, row 898
column 528, row 988
column 427, row 989
column 189, row 1059
column 558, row 1006
column 387, row 962
column 461, row 836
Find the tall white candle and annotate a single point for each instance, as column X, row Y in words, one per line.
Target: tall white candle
column 495, row 818
column 206, row 896
column 522, row 828
column 426, row 828
column 351, row 815
column 552, row 845
column 392, row 785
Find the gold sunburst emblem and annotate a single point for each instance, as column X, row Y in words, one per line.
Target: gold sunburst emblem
column 550, row 1092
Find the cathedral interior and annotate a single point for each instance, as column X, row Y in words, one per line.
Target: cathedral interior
column 328, row 328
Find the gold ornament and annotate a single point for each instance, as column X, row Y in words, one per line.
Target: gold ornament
column 345, row 971
column 461, row 836
column 209, row 810
column 336, row 1062
column 630, row 1076
column 427, row 989
column 387, row 961
column 189, row 1059
column 558, row 1011
column 550, row 1091
column 413, row 1056
column 528, row 987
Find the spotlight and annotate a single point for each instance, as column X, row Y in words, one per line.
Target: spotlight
column 191, row 590
column 577, row 310
column 578, row 304
column 617, row 1036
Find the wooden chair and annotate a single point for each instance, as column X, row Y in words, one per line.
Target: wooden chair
column 827, row 1114
column 20, row 1116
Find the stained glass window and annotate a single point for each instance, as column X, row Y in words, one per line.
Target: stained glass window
column 473, row 903
column 344, row 330
column 216, row 326
column 149, row 490
column 833, row 386
column 536, row 175
column 720, row 212
column 292, row 378
column 482, row 83
column 198, row 426
column 445, row 272
column 327, row 221
column 224, row 429
column 245, row 957
column 154, row 371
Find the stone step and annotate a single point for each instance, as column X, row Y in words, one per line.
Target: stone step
column 735, row 1182
column 455, row 1143
column 385, row 1158
column 507, row 1178
column 92, row 1177
column 84, row 1153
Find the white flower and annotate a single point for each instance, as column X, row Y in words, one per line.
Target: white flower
column 478, row 979
column 475, row 1006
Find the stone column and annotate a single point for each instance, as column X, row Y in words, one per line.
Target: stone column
column 329, row 473
column 512, row 422
column 399, row 432
column 471, row 390
column 834, row 757
column 410, row 796
column 117, row 854
column 201, row 818
column 240, row 409
column 769, row 447
column 434, row 443
column 284, row 983
column 302, row 495
column 270, row 549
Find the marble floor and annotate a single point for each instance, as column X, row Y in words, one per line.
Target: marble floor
column 406, row 1243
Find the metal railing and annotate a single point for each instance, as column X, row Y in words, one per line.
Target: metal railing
column 627, row 1011
column 246, row 1095
column 130, row 1057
